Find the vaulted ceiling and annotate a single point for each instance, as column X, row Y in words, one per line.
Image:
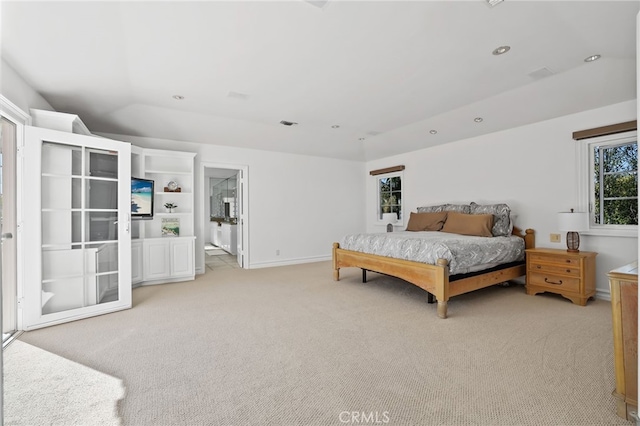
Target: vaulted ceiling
column 362, row 79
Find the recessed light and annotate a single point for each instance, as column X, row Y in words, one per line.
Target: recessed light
column 500, row 50
column 335, row 126
column 478, row 119
column 592, row 58
column 433, row 132
column 178, row 97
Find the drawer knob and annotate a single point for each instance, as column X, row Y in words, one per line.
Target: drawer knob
column 568, row 260
column 538, row 266
column 548, row 281
column 568, row 270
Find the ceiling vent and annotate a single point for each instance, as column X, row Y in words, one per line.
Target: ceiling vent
column 541, row 73
column 492, row 3
column 318, row 3
column 287, row 123
column 236, row 95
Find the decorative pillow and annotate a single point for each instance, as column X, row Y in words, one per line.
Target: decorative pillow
column 502, row 225
column 469, row 224
column 460, row 208
column 430, row 209
column 432, row 221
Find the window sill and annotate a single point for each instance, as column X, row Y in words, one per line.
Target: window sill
column 631, row 233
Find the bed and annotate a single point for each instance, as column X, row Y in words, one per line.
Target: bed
column 441, row 262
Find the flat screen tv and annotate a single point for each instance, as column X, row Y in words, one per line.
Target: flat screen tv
column 141, row 198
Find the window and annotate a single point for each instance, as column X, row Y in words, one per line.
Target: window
column 390, row 194
column 613, row 182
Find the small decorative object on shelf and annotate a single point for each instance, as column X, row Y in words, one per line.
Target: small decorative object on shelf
column 170, row 207
column 172, row 186
column 170, row 227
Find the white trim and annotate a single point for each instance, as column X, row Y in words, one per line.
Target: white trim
column 623, row 233
column 17, row 115
column 21, row 119
column 603, row 295
column 584, row 156
column 377, row 220
column 245, row 203
column 298, row 261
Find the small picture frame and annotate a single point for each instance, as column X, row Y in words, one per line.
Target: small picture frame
column 170, row 227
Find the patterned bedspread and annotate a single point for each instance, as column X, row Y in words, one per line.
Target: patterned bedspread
column 464, row 253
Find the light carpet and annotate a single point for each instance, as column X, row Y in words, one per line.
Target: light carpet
column 45, row 389
column 289, row 346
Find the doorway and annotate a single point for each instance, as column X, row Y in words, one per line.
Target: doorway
column 225, row 226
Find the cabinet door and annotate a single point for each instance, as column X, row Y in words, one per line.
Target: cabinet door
column 182, row 263
column 76, row 214
column 136, row 262
column 156, row 260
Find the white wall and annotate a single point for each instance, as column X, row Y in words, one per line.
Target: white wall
column 18, row 91
column 532, row 168
column 298, row 204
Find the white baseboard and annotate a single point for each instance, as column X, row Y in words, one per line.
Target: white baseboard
column 298, row 261
column 603, row 295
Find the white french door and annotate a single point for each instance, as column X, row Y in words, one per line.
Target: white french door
column 8, row 247
column 76, row 218
column 240, row 217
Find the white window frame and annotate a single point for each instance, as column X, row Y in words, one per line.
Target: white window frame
column 586, row 197
column 400, row 174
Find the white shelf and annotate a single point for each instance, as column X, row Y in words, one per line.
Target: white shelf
column 172, row 214
column 168, row 172
column 167, row 259
column 173, row 193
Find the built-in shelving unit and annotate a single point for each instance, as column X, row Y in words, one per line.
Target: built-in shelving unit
column 161, row 256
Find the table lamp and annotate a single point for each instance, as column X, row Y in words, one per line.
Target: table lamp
column 389, row 219
column 573, row 222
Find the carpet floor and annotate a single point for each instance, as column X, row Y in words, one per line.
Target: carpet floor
column 289, row 346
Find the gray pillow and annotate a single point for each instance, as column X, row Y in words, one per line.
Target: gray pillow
column 460, row 208
column 502, row 226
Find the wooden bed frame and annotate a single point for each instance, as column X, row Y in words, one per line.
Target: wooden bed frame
column 432, row 278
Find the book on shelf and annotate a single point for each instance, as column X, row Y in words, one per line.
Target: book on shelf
column 170, row 227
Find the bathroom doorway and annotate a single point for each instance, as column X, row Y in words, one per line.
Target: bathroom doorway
column 225, row 212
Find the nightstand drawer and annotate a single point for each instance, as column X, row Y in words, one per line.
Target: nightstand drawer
column 554, row 281
column 555, row 269
column 558, row 259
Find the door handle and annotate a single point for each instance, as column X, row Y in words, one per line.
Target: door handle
column 7, row 236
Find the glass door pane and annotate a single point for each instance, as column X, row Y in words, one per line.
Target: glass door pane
column 8, row 253
column 76, row 219
column 79, row 227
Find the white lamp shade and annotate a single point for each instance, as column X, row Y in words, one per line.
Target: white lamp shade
column 389, row 217
column 573, row 221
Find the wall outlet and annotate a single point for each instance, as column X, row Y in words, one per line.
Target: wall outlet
column 278, row 252
column 554, row 238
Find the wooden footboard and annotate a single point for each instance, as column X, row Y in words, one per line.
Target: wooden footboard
column 432, row 278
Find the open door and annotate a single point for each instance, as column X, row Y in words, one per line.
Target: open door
column 77, row 207
column 240, row 217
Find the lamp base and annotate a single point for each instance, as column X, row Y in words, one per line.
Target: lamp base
column 573, row 242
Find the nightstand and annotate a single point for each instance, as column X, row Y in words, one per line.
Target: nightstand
column 572, row 275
